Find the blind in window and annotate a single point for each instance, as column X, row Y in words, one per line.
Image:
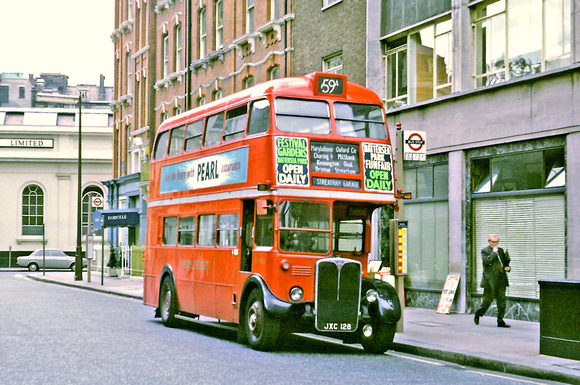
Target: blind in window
column 532, row 229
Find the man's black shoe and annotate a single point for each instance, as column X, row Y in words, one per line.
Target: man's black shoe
column 476, row 319
column 503, row 325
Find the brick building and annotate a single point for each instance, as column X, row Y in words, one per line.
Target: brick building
column 173, row 55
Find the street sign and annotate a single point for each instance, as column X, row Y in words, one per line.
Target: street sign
column 448, row 293
column 414, row 145
column 97, row 202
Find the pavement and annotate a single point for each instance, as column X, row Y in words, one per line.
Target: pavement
column 448, row 337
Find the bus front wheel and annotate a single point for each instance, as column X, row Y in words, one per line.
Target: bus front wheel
column 262, row 330
column 168, row 303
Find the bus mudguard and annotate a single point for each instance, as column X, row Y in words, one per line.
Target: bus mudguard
column 387, row 307
column 273, row 304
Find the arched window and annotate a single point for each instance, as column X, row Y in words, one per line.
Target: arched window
column 248, row 82
column 94, row 192
column 274, row 73
column 32, row 210
column 217, row 94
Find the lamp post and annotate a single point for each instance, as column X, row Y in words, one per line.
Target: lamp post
column 79, row 250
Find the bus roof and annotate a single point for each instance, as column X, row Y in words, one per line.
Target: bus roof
column 297, row 86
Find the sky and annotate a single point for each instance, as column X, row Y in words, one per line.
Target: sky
column 72, row 37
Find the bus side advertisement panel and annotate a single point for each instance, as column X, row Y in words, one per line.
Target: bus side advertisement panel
column 216, row 170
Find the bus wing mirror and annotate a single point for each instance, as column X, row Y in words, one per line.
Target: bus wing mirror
column 264, row 206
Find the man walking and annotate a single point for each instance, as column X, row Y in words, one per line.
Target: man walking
column 496, row 265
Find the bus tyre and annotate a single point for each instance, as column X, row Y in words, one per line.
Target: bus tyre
column 168, row 303
column 261, row 329
column 380, row 340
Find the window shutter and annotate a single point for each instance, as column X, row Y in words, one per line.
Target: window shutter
column 532, row 229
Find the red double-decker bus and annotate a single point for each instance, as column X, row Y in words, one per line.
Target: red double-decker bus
column 259, row 213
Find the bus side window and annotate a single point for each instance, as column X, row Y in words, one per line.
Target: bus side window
column 193, row 135
column 206, row 232
column 169, row 231
column 259, row 117
column 227, row 234
column 186, row 231
column 213, row 129
column 161, row 145
column 235, row 123
column 176, row 141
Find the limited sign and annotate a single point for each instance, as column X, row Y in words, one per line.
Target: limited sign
column 414, row 147
column 27, row 143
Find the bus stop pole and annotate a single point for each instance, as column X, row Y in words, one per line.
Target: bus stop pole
column 90, row 235
column 399, row 214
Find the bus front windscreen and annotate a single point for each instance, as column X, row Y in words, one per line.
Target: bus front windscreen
column 303, row 116
column 360, row 120
column 304, row 227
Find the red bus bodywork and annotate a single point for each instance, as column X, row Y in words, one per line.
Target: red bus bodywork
column 224, row 215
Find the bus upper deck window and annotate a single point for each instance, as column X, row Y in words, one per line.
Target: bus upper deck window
column 193, row 135
column 360, row 120
column 235, row 123
column 161, row 145
column 213, row 129
column 259, row 117
column 176, row 141
column 303, row 116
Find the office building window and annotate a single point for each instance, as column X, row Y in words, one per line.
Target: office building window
column 328, row 3
column 515, row 38
column 418, row 67
column 202, row 33
column 21, row 92
column 333, row 64
column 249, row 16
column 32, row 210
column 274, row 9
column 219, row 24
column 274, row 73
column 4, row 94
column 248, row 82
column 165, row 55
column 178, row 48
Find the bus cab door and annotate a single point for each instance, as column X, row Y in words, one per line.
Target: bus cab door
column 247, row 235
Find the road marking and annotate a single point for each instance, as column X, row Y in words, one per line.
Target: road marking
column 505, row 377
column 415, row 359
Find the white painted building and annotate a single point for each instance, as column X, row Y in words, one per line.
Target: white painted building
column 39, row 171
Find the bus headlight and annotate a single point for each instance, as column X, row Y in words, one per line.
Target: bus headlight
column 296, row 293
column 372, row 295
column 284, row 265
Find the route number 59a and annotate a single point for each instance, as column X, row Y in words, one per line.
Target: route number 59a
column 332, row 86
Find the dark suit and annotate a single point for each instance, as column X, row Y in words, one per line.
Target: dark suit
column 494, row 280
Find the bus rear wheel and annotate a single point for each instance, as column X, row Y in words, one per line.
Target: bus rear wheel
column 377, row 338
column 262, row 330
column 168, row 303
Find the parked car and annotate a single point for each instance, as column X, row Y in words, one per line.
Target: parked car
column 55, row 259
